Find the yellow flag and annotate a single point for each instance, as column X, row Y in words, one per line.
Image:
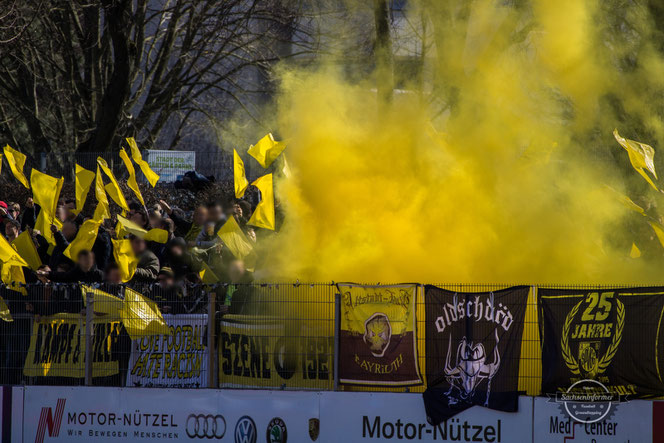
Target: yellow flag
column 125, row 258
column 234, row 239
column 207, row 276
column 84, row 179
column 659, row 232
column 104, row 303
column 156, row 235
column 131, row 227
column 239, row 177
column 8, row 255
column 131, row 181
column 45, row 193
column 16, row 162
column 102, row 211
column 152, row 177
column 5, row 315
column 635, row 252
column 266, row 150
column 641, row 156
column 285, row 168
column 27, row 250
column 46, row 190
column 263, row 215
column 141, row 316
column 113, row 188
column 12, row 276
column 631, row 205
column 85, row 239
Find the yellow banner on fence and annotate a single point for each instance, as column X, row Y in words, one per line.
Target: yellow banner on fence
column 57, row 347
column 377, row 339
column 263, row 352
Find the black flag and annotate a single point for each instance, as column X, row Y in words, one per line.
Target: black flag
column 612, row 336
column 473, row 346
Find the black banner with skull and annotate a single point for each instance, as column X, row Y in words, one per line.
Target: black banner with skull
column 612, row 336
column 473, row 346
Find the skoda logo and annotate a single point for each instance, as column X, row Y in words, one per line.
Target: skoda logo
column 245, row 430
column 206, row 426
column 276, row 431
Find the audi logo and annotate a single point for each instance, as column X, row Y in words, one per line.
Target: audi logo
column 206, row 426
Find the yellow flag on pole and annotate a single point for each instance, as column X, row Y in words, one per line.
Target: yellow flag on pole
column 641, row 156
column 45, row 193
column 131, row 181
column 85, row 239
column 635, row 252
column 234, row 239
column 266, row 150
column 27, row 250
column 104, row 303
column 239, row 176
column 113, row 188
column 207, row 275
column 155, row 235
column 141, row 316
column 263, row 215
column 13, row 276
column 152, row 177
column 285, row 167
column 9, row 255
column 102, row 211
column 84, row 179
column 125, row 258
column 16, row 162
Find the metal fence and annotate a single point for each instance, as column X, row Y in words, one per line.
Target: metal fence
column 268, row 336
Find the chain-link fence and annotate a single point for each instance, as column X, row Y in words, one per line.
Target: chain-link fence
column 268, row 336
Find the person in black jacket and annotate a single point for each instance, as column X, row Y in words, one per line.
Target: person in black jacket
column 62, row 240
column 179, row 260
column 86, row 271
column 103, row 248
column 188, row 229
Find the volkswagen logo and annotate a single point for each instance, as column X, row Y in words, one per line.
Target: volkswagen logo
column 206, row 426
column 245, row 430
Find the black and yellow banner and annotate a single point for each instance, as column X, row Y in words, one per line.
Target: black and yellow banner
column 377, row 340
column 473, row 347
column 57, row 347
column 263, row 352
column 610, row 336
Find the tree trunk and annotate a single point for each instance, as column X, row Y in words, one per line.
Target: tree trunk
column 109, row 111
column 383, row 51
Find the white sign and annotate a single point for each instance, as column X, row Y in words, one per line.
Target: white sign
column 71, row 414
column 178, row 360
column 360, row 416
column 626, row 422
column 171, row 164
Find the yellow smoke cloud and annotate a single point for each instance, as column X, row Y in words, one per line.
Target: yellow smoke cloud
column 491, row 172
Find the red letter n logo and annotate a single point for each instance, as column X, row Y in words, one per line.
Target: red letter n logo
column 50, row 421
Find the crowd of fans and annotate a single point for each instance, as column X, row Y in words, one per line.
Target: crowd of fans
column 168, row 273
